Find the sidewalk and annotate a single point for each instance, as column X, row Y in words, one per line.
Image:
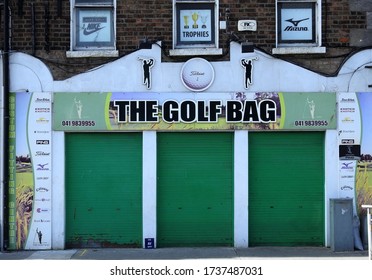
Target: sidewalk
column 269, row 253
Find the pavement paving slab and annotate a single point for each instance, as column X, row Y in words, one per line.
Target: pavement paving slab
column 268, row 253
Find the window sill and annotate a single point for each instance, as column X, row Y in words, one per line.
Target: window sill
column 91, row 53
column 298, row 50
column 195, row 51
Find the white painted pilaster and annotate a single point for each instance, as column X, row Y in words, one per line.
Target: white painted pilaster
column 149, row 185
column 331, row 175
column 241, row 189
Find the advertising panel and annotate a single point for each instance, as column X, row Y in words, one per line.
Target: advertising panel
column 355, row 148
column 30, row 171
column 194, row 111
column 364, row 164
column 349, row 144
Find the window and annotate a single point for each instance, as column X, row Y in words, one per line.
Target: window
column 195, row 27
column 93, row 26
column 298, row 28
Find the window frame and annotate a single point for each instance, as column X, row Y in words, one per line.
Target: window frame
column 195, row 47
column 103, row 48
column 298, row 45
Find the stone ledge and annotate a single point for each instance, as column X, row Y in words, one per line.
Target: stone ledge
column 79, row 54
column 195, row 52
column 298, row 50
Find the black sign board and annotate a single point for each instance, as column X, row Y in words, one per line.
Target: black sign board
column 348, row 152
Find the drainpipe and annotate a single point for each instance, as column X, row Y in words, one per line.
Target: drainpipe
column 2, row 201
column 5, row 132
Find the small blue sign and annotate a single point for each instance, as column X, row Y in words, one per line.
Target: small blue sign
column 149, row 243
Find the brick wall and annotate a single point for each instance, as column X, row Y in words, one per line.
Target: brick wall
column 137, row 19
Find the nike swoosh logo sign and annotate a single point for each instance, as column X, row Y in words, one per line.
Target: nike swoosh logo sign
column 88, row 32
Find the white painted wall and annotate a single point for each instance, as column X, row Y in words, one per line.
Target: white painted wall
column 270, row 74
column 124, row 74
column 29, row 74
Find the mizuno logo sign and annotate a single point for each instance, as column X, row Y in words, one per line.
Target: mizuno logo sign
column 294, row 26
column 296, row 22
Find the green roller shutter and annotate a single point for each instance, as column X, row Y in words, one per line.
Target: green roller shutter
column 286, row 189
column 195, row 189
column 104, row 190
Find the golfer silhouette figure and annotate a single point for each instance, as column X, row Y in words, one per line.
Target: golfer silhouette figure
column 248, row 66
column 39, row 235
column 147, row 64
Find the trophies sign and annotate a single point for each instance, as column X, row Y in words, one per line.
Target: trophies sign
column 195, row 26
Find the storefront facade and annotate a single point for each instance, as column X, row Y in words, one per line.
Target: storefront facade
column 146, row 153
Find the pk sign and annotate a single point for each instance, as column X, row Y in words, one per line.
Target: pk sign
column 247, row 25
